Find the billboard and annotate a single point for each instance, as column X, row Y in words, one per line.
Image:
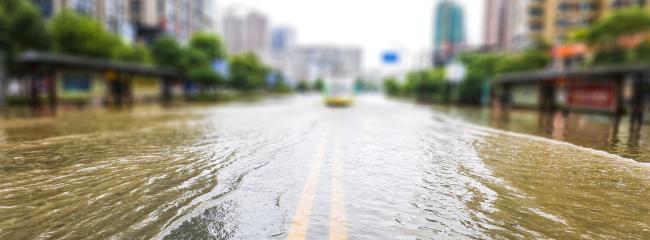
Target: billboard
column 599, row 96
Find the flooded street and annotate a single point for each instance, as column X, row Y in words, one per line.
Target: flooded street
column 291, row 168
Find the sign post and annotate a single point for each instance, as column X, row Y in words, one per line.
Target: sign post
column 455, row 73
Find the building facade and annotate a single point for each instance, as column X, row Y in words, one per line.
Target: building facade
column 283, row 39
column 177, row 18
column 246, row 31
column 140, row 19
column 311, row 62
column 506, row 25
column 553, row 20
column 449, row 31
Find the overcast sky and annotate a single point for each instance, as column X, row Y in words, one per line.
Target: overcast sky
column 373, row 25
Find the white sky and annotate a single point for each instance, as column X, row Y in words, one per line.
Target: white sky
column 373, row 25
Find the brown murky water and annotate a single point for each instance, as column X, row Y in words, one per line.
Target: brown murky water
column 238, row 172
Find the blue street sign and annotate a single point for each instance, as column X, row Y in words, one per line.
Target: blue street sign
column 390, row 57
column 221, row 67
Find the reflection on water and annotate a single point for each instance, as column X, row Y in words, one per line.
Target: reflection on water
column 603, row 132
column 238, row 172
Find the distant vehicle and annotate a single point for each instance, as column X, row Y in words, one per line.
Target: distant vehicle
column 339, row 92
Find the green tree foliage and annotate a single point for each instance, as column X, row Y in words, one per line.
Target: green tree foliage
column 642, row 52
column 319, row 85
column 195, row 65
column 302, row 86
column 481, row 67
column 206, row 77
column 137, row 53
column 280, row 85
column 209, row 44
column 247, row 73
column 25, row 28
column 619, row 23
column 604, row 34
column 526, row 61
column 21, row 28
column 609, row 56
column 391, row 86
column 426, row 84
column 81, row 35
column 167, row 52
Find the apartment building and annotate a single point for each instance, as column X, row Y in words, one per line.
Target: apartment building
column 554, row 20
column 140, row 19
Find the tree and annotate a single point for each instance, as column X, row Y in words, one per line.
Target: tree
column 527, row 61
column 21, row 28
column 247, row 73
column 167, row 52
column 620, row 23
column 302, row 86
column 426, row 84
column 280, row 85
column 391, row 86
column 191, row 59
column 319, row 85
column 137, row 53
column 205, row 76
column 209, row 44
column 642, row 52
column 81, row 35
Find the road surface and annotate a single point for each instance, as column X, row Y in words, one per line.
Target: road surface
column 291, row 168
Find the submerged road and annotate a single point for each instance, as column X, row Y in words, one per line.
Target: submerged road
column 290, row 168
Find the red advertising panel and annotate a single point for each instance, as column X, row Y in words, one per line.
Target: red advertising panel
column 593, row 96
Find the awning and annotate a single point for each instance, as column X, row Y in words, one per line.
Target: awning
column 590, row 73
column 86, row 63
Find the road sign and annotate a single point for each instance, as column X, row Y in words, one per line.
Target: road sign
column 390, row 57
column 455, row 72
column 221, row 67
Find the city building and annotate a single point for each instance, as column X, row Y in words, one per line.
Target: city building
column 449, row 31
column 140, row 19
column 311, row 62
column 553, row 20
column 113, row 13
column 246, row 31
column 283, row 42
column 283, row 39
column 505, row 25
column 177, row 18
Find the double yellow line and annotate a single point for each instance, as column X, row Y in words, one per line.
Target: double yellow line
column 300, row 223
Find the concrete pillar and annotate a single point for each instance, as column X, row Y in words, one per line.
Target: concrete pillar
column 166, row 90
column 638, row 99
column 51, row 89
column 620, row 107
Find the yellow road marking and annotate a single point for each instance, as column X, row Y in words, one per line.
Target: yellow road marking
column 300, row 222
column 338, row 228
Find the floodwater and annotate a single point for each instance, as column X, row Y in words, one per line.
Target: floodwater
column 290, row 168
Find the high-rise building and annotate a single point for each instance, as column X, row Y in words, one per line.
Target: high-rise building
column 113, row 13
column 506, row 25
column 553, row 20
column 142, row 19
column 177, row 18
column 246, row 31
column 449, row 31
column 498, row 27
